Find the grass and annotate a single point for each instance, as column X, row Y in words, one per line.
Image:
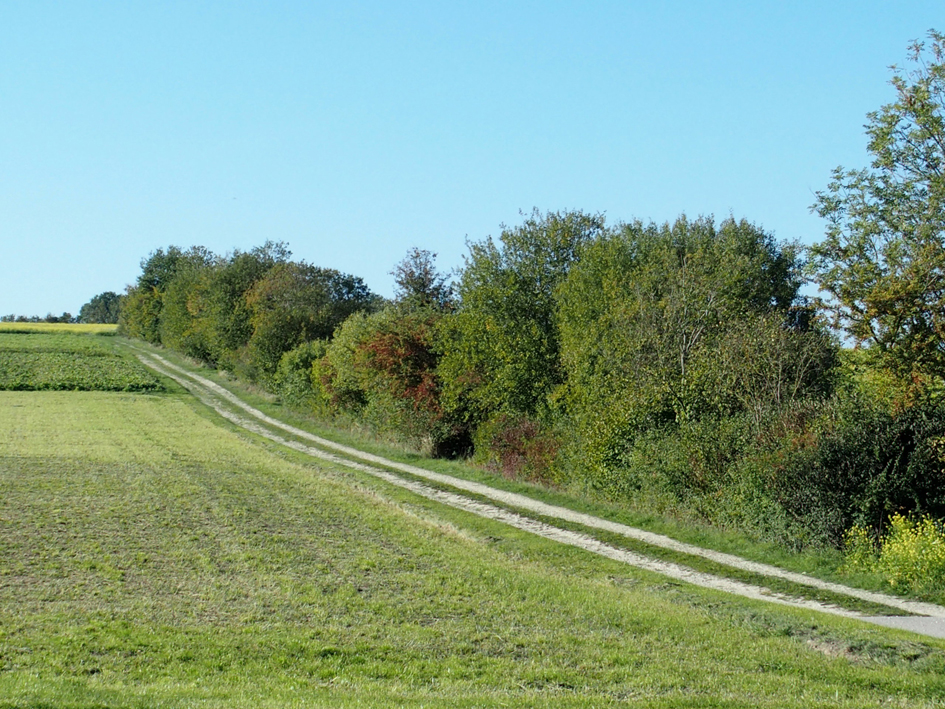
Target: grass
column 827, row 564
column 151, row 556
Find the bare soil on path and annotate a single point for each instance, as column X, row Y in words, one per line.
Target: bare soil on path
column 926, row 618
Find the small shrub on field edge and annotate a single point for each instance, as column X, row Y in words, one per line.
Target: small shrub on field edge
column 518, row 447
column 910, row 556
column 859, row 549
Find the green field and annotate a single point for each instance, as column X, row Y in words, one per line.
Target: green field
column 66, row 360
column 152, row 555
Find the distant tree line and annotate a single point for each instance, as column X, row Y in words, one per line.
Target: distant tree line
column 103, row 308
column 675, row 367
column 48, row 318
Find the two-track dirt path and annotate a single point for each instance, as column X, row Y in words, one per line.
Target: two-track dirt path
column 926, row 618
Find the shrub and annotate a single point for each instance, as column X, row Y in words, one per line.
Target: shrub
column 293, row 378
column 859, row 549
column 519, row 447
column 380, row 370
column 799, row 475
column 910, row 556
column 848, row 461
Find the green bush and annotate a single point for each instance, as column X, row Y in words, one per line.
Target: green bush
column 293, row 378
column 381, row 370
column 799, row 476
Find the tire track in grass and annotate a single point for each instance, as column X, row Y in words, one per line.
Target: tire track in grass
column 210, row 393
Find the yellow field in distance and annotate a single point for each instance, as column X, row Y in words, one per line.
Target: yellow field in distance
column 88, row 329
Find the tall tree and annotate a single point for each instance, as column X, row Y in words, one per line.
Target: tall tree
column 419, row 284
column 225, row 314
column 652, row 317
column 297, row 302
column 144, row 301
column 501, row 348
column 882, row 262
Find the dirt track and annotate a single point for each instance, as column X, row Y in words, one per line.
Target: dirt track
column 927, row 619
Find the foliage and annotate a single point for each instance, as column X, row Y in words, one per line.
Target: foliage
column 293, row 380
column 297, row 302
column 859, row 549
column 518, row 447
column 32, row 362
column 418, row 284
column 49, row 318
column 143, row 303
column 654, row 319
column 910, row 555
column 382, row 369
column 103, row 308
column 856, row 462
column 882, row 260
column 140, row 315
column 760, row 365
column 181, row 313
column 336, row 376
column 225, row 316
column 501, row 350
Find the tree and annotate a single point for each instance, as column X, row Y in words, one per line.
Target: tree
column 882, row 262
column 501, row 349
column 419, row 284
column 296, row 302
column 143, row 303
column 380, row 369
column 103, row 308
column 225, row 316
column 652, row 317
column 181, row 307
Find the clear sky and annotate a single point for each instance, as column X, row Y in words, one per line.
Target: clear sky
column 357, row 130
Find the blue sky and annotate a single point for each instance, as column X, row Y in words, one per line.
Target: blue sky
column 357, row 130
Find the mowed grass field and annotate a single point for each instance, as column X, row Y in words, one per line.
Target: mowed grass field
column 151, row 555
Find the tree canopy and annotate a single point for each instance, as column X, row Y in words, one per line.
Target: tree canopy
column 502, row 349
column 882, row 263
column 653, row 319
column 103, row 308
column 297, row 302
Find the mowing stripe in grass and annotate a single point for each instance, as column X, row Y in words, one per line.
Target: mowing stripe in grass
column 556, row 512
column 548, row 531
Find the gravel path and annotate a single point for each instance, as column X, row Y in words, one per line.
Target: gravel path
column 927, row 619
